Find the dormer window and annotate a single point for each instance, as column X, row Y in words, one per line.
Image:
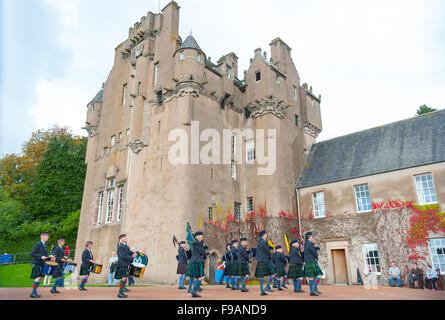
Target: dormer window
column 181, row 56
column 257, row 76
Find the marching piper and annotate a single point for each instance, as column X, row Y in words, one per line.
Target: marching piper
column 243, row 257
column 280, row 265
column 39, row 254
column 236, row 265
column 296, row 266
column 264, row 266
column 311, row 268
column 196, row 270
column 182, row 264
column 227, row 258
column 61, row 259
column 87, row 262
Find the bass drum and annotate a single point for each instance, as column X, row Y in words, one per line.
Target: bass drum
column 137, row 270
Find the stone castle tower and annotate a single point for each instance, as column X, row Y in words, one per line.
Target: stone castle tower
column 160, row 83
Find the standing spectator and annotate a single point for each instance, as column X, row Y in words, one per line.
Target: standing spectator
column 431, row 275
column 111, row 267
column 394, row 274
column 414, row 275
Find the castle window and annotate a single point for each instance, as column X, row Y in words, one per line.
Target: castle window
column 198, row 57
column 160, row 98
column 139, row 88
column 237, row 211
column 246, row 113
column 222, row 103
column 318, row 204
column 110, row 205
column 233, row 169
column 111, row 183
column 249, row 205
column 124, row 95
column 181, row 56
column 371, row 256
column 296, row 120
column 250, row 151
column 437, row 253
column 426, row 193
column 128, row 132
column 120, row 203
column 234, row 144
column 156, row 74
column 100, row 208
column 210, row 213
column 294, row 90
column 257, row 76
column 92, row 107
column 113, row 141
column 228, row 72
column 363, row 200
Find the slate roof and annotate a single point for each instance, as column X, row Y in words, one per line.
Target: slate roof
column 190, row 43
column 99, row 96
column 403, row 144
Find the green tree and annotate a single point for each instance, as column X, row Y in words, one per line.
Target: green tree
column 58, row 185
column 423, row 109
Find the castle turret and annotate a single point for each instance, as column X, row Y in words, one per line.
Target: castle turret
column 189, row 61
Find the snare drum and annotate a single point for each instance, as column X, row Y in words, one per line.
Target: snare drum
column 137, row 270
column 96, row 268
column 50, row 268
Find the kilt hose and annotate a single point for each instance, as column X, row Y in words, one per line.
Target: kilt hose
column 36, row 271
column 182, row 268
column 295, row 271
column 122, row 272
column 84, row 270
column 280, row 272
column 312, row 270
column 264, row 269
column 195, row 270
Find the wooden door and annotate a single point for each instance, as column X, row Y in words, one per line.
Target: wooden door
column 340, row 268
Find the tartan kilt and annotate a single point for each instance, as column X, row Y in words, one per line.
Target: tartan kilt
column 121, row 272
column 36, row 271
column 237, row 269
column 295, row 271
column 84, row 270
column 245, row 269
column 195, row 270
column 228, row 270
column 182, row 267
column 59, row 271
column 312, row 270
column 280, row 272
column 264, row 269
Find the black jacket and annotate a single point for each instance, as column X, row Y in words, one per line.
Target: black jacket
column 243, row 255
column 310, row 253
column 59, row 254
column 86, row 257
column 198, row 252
column 262, row 251
column 182, row 256
column 38, row 251
column 280, row 260
column 295, row 255
column 235, row 255
column 227, row 258
column 124, row 255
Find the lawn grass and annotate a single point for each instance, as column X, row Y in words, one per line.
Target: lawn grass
column 15, row 276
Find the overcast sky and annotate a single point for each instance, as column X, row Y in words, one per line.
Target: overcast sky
column 373, row 62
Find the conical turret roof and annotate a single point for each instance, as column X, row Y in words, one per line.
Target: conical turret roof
column 190, row 43
column 99, row 95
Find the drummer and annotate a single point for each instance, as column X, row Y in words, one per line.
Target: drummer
column 87, row 262
column 61, row 259
column 39, row 254
column 124, row 256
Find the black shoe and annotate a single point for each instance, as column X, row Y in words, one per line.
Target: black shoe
column 244, row 290
column 280, row 289
column 121, row 295
column 314, row 294
column 199, row 289
column 269, row 290
column 54, row 291
column 35, row 295
column 284, row 286
column 228, row 287
column 298, row 290
column 195, row 295
column 182, row 288
column 264, row 294
column 82, row 289
column 274, row 286
column 316, row 291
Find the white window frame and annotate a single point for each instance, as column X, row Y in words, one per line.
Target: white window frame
column 250, row 151
column 156, row 75
column 420, row 188
column 92, row 107
column 318, row 204
column 99, row 210
column 181, row 55
column 437, row 260
column 366, row 248
column 234, row 136
column 110, row 205
column 249, row 205
column 113, row 141
column 198, row 57
column 124, row 95
column 357, row 199
column 120, row 203
column 237, row 211
column 294, row 90
column 233, row 170
column 228, row 72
